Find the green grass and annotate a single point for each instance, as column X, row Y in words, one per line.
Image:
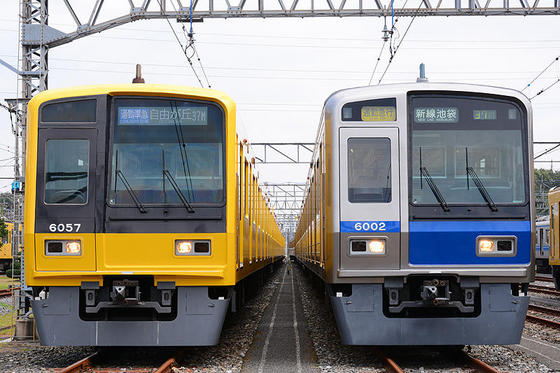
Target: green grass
column 6, row 321
column 5, row 282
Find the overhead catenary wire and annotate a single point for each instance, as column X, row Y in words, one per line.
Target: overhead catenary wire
column 191, row 43
column 546, row 88
column 539, row 74
column 377, row 62
column 181, row 45
column 393, row 54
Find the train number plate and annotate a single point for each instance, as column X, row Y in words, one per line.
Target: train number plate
column 370, row 226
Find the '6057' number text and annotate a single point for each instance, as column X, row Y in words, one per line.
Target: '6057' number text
column 65, row 227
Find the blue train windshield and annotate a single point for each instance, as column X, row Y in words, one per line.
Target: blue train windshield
column 161, row 145
column 470, row 148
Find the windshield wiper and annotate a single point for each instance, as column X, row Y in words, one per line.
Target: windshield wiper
column 119, row 174
column 183, row 151
column 178, row 191
column 435, row 190
column 433, row 187
column 133, row 195
column 479, row 185
column 166, row 174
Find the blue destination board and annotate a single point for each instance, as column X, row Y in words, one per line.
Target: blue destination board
column 370, row 226
column 181, row 115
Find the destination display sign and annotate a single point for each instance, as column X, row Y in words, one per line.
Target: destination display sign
column 436, row 115
column 379, row 113
column 158, row 115
column 485, row 114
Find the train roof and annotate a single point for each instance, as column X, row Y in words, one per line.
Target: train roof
column 360, row 93
column 134, row 89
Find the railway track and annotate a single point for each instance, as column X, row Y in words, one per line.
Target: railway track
column 544, row 278
column 541, row 320
column 543, row 290
column 480, row 366
column 87, row 365
column 7, row 292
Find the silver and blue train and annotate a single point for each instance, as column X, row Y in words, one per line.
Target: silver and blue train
column 542, row 245
column 419, row 215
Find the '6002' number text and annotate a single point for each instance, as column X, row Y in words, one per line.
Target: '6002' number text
column 370, row 227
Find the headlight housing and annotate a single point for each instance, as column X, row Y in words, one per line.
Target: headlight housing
column 496, row 246
column 63, row 247
column 373, row 246
column 192, row 247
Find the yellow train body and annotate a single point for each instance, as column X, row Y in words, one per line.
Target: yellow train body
column 250, row 241
column 554, row 204
column 6, row 247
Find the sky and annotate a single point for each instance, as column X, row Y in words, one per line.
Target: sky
column 280, row 71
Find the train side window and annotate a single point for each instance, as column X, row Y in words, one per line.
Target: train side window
column 67, row 172
column 540, row 241
column 369, row 170
column 70, row 111
column 246, row 190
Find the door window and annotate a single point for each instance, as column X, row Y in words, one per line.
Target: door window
column 369, row 170
column 67, row 171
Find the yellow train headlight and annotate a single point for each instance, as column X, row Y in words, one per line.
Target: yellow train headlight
column 73, row 247
column 193, row 247
column 63, row 247
column 183, row 247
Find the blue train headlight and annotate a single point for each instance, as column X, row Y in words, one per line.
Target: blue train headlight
column 486, row 246
column 376, row 247
column 364, row 247
column 496, row 246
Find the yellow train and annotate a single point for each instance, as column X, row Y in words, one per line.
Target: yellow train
column 143, row 215
column 554, row 238
column 6, row 249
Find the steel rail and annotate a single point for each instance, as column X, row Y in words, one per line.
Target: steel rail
column 167, row 367
column 547, row 310
column 543, row 321
column 79, row 365
column 543, row 290
column 6, row 292
column 480, row 365
column 544, row 278
column 390, row 365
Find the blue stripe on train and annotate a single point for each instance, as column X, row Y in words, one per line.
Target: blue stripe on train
column 453, row 242
column 368, row 226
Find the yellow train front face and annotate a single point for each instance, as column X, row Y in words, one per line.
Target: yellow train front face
column 554, row 239
column 126, row 209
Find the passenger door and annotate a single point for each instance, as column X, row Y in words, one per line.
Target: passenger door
column 369, row 198
column 65, row 196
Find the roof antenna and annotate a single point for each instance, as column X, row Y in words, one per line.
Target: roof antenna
column 422, row 78
column 138, row 78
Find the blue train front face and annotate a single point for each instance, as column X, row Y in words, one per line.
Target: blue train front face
column 468, row 181
column 434, row 226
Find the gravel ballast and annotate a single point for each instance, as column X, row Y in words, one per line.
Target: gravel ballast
column 335, row 357
column 237, row 335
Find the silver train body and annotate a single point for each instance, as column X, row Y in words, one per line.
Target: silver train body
column 542, row 247
column 419, row 213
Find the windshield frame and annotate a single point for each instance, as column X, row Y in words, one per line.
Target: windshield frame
column 468, row 95
column 110, row 151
